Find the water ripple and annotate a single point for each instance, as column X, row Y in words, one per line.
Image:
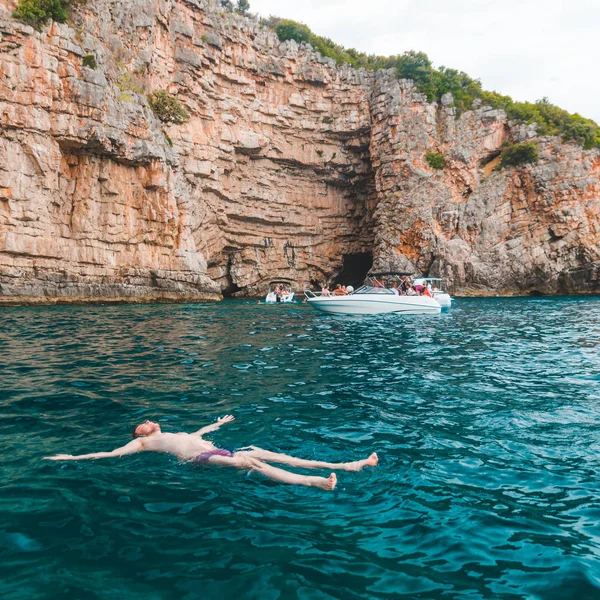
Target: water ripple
column 485, row 418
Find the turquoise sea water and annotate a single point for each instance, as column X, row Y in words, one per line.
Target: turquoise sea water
column 486, row 418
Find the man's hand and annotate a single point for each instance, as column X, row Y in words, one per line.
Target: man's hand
column 214, row 426
column 59, row 457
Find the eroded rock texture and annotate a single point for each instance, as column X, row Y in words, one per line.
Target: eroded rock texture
column 535, row 229
column 287, row 165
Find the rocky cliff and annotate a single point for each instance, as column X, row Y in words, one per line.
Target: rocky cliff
column 533, row 229
column 289, row 167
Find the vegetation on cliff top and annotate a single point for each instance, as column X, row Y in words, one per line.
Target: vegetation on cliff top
column 241, row 6
column 435, row 82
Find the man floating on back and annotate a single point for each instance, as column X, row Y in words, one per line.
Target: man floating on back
column 193, row 448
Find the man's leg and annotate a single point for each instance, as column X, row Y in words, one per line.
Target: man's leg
column 265, row 455
column 240, row 461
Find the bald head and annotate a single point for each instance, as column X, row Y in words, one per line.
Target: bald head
column 145, row 429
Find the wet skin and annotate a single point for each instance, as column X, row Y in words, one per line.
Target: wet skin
column 189, row 446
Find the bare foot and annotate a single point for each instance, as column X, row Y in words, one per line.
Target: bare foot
column 372, row 461
column 359, row 465
column 331, row 482
column 325, row 484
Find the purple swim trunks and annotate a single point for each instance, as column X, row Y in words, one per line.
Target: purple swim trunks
column 202, row 459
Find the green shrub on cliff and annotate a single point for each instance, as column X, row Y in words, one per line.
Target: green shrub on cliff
column 291, row 30
column 89, row 60
column 514, row 155
column 167, row 138
column 38, row 12
column 550, row 119
column 167, row 108
column 435, row 160
column 131, row 82
column 286, row 29
column 435, row 82
column 242, row 6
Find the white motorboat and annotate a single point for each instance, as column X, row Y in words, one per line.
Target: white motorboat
column 373, row 299
column 281, row 291
column 437, row 289
column 369, row 300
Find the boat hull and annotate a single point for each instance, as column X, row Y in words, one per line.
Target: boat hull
column 375, row 304
column 272, row 298
column 444, row 300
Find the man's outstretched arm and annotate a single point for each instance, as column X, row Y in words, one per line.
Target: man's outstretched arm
column 214, row 426
column 131, row 448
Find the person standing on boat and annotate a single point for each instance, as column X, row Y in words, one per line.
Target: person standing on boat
column 426, row 291
column 191, row 447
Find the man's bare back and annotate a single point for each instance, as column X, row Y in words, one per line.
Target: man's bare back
column 192, row 447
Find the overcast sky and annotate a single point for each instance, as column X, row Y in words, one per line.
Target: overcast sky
column 527, row 49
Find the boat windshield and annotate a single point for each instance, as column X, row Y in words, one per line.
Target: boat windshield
column 369, row 289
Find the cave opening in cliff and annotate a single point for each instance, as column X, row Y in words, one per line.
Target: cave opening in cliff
column 354, row 269
column 231, row 290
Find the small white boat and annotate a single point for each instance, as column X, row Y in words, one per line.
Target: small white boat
column 281, row 291
column 444, row 299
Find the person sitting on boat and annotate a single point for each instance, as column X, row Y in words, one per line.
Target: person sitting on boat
column 404, row 286
column 411, row 291
column 418, row 289
column 325, row 290
column 426, row 291
column 191, row 447
column 339, row 290
column 395, row 289
column 377, row 283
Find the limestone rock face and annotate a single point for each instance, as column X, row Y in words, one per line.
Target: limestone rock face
column 271, row 176
column 287, row 164
column 526, row 230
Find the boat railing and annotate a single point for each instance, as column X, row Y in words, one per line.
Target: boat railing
column 312, row 294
